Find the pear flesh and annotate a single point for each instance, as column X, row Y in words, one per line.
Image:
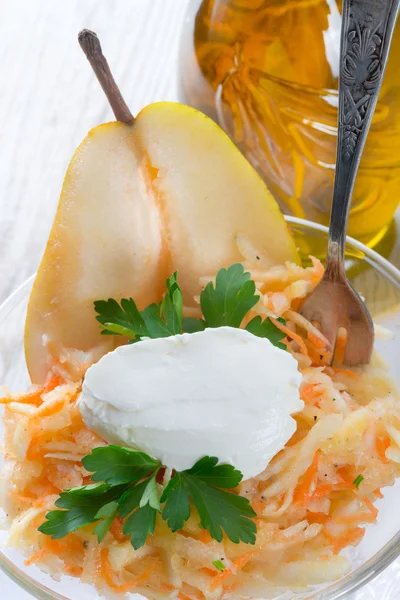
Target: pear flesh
column 168, row 192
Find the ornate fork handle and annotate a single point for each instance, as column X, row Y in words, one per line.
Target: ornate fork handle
column 367, row 28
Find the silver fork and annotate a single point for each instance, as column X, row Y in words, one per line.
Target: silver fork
column 367, row 28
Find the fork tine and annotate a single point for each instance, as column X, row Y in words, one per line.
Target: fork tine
column 335, row 304
column 360, row 340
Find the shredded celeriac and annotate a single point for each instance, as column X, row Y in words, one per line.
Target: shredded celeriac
column 308, row 506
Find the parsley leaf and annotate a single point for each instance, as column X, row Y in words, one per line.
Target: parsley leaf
column 229, row 301
column 150, row 494
column 82, row 507
column 218, row 510
column 131, row 498
column 115, row 464
column 96, row 494
column 266, row 329
column 127, row 487
column 120, row 320
column 172, row 305
column 191, row 325
column 140, row 525
column 156, row 326
column 144, row 498
column 130, row 484
column 177, row 508
column 224, row 304
column 61, row 522
column 108, row 513
column 222, row 476
column 155, row 321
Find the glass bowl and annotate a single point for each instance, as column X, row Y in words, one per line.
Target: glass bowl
column 379, row 283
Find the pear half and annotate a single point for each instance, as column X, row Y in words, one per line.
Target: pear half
column 168, row 192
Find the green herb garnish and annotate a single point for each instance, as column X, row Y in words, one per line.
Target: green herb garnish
column 224, row 304
column 229, row 301
column 218, row 510
column 129, row 489
column 266, row 329
column 358, row 480
column 218, row 564
column 127, row 482
column 155, row 321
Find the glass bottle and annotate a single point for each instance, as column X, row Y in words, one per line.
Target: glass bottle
column 267, row 71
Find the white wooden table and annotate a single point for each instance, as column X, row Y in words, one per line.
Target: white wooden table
column 49, row 99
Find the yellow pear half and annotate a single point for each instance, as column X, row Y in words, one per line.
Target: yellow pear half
column 168, row 192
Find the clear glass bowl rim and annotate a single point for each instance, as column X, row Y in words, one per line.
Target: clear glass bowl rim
column 336, row 591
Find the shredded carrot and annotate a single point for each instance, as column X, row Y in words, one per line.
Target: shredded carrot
column 309, row 394
column 343, row 485
column 208, row 571
column 39, row 502
column 322, row 491
column 374, row 511
column 29, row 398
column 116, row 529
column 340, row 542
column 24, row 498
column 296, row 303
column 318, row 267
column 317, row 356
column 359, row 517
column 240, row 562
column 219, row 579
column 346, row 372
column 49, row 409
column 382, row 444
column 205, row 536
column 347, row 479
column 320, row 518
column 237, row 565
column 230, row 588
column 70, row 544
column 107, row 574
column 378, row 493
column 73, row 570
column 35, row 557
column 340, row 348
column 294, row 336
column 258, row 506
column 303, row 491
column 183, row 596
column 316, row 341
column 52, row 382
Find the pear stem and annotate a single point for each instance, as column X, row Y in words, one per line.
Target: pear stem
column 90, row 44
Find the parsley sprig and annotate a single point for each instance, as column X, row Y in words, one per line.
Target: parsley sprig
column 155, row 321
column 225, row 303
column 218, row 510
column 126, row 487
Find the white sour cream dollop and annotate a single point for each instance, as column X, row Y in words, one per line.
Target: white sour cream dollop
column 220, row 392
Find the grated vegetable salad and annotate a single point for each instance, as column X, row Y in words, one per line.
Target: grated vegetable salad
column 313, row 500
